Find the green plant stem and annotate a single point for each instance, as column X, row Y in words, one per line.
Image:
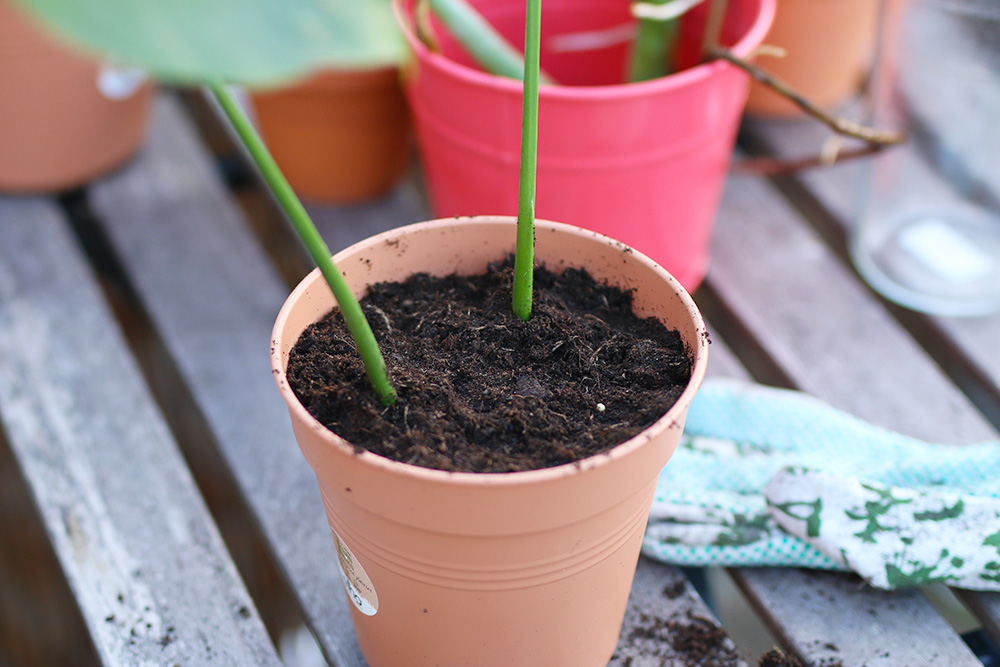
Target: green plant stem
column 652, row 49
column 349, row 307
column 480, row 39
column 524, row 258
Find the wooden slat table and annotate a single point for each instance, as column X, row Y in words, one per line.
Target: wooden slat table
column 137, row 545
column 134, row 322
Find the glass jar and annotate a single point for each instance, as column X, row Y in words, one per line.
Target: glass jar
column 928, row 233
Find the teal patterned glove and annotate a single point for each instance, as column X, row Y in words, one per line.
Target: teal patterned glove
column 767, row 476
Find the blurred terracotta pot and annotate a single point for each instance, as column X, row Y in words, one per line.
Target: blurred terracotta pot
column 830, row 44
column 339, row 136
column 458, row 568
column 64, row 118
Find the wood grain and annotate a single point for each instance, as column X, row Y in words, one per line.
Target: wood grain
column 774, row 280
column 137, row 545
column 966, row 348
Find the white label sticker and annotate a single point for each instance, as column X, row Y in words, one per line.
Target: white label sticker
column 359, row 586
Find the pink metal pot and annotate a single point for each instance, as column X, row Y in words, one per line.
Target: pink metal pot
column 641, row 162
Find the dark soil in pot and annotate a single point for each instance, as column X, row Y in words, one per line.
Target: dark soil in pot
column 482, row 391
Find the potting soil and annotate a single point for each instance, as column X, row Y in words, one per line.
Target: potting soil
column 479, row 389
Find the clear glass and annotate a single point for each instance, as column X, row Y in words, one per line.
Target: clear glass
column 928, row 234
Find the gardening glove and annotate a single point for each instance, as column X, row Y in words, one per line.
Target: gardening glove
column 767, row 477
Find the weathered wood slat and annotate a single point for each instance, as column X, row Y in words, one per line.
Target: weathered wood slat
column 779, row 280
column 343, row 226
column 213, row 297
column 772, row 279
column 828, row 608
column 966, row 346
column 830, row 617
column 662, row 605
column 340, row 226
column 139, row 549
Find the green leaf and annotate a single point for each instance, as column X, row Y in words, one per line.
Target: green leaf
column 256, row 42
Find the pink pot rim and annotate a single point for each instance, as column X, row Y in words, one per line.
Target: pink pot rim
column 746, row 44
column 698, row 349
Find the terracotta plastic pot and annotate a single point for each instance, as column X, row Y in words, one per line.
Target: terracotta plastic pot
column 641, row 162
column 829, row 44
column 339, row 136
column 64, row 118
column 524, row 568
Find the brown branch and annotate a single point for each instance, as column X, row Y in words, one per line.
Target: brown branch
column 842, row 126
column 771, row 166
column 713, row 25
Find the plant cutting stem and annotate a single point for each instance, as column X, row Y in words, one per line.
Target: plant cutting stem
column 653, row 44
column 479, row 38
column 371, row 356
column 524, row 257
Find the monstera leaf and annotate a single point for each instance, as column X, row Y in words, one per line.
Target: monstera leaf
column 257, row 42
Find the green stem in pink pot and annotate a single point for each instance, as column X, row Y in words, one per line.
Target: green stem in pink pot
column 486, row 46
column 524, row 259
column 653, row 47
column 371, row 355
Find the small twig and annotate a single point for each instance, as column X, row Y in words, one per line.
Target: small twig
column 831, row 150
column 593, row 357
column 713, row 26
column 842, row 126
column 770, row 50
column 771, row 166
column 385, row 318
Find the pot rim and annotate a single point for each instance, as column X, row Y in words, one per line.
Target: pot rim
column 698, row 349
column 688, row 77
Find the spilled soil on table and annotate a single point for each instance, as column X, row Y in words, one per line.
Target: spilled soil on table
column 687, row 638
column 691, row 640
column 481, row 390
